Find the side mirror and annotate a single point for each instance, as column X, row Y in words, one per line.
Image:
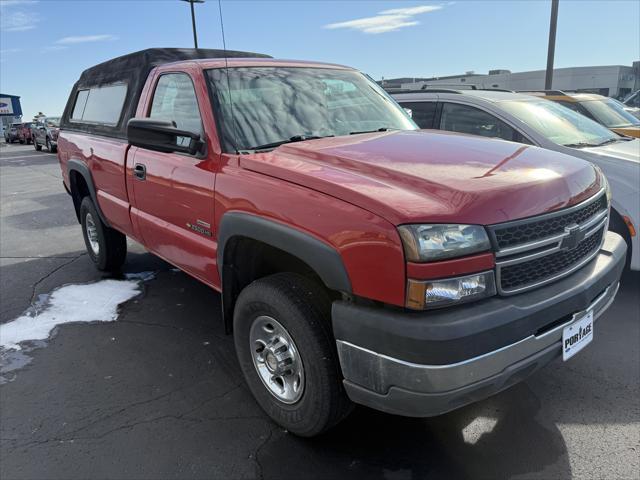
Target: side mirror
column 162, row 136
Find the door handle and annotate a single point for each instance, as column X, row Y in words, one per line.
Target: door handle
column 140, row 171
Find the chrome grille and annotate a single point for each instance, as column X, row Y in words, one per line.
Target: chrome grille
column 541, row 249
column 535, row 230
column 528, row 273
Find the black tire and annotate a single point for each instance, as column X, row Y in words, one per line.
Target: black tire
column 617, row 225
column 36, row 146
column 304, row 310
column 112, row 245
column 50, row 147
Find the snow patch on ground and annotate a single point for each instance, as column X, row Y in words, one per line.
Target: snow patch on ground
column 94, row 302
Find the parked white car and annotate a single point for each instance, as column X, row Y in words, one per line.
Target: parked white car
column 535, row 121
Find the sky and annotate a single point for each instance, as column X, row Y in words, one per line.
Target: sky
column 45, row 44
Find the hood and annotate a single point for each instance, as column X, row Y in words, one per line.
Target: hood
column 629, row 131
column 624, row 150
column 417, row 176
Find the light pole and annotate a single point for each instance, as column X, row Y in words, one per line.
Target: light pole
column 193, row 20
column 548, row 81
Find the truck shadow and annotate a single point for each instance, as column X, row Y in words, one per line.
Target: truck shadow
column 499, row 438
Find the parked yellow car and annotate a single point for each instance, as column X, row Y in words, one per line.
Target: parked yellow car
column 603, row 110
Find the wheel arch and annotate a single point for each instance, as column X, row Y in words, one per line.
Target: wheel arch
column 250, row 247
column 80, row 185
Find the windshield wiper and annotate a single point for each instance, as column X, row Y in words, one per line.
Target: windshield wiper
column 269, row 146
column 382, row 129
column 587, row 144
column 611, row 140
column 580, row 145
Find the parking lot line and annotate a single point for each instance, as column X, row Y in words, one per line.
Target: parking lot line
column 25, row 156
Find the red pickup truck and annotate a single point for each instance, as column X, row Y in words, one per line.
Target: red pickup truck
column 359, row 259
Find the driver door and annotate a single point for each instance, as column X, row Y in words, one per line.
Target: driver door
column 173, row 192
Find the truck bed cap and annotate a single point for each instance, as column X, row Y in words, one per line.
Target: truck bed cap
column 133, row 69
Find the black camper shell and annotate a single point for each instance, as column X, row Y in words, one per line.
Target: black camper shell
column 131, row 71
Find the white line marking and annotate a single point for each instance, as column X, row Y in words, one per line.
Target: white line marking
column 26, row 156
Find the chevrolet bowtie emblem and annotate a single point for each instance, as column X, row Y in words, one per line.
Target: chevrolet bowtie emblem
column 573, row 237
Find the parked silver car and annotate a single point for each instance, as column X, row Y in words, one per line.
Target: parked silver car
column 535, row 121
column 45, row 133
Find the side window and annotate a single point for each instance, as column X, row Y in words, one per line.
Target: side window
column 422, row 113
column 81, row 102
column 576, row 107
column 175, row 101
column 100, row 105
column 471, row 120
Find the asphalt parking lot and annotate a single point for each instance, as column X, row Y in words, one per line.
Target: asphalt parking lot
column 158, row 393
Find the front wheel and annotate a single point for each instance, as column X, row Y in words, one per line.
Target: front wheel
column 106, row 247
column 287, row 353
column 36, row 146
column 50, row 147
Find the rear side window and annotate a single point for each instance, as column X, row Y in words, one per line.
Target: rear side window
column 576, row 107
column 175, row 101
column 100, row 105
column 471, row 120
column 422, row 113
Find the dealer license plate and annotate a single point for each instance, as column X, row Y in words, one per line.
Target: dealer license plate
column 577, row 336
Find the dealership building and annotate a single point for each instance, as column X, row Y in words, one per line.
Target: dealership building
column 10, row 110
column 609, row 80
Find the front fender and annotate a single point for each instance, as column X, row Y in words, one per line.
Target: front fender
column 321, row 257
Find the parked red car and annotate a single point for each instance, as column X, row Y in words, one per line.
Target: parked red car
column 359, row 260
column 24, row 132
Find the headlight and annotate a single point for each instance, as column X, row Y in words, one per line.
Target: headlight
column 607, row 189
column 605, row 184
column 440, row 293
column 428, row 243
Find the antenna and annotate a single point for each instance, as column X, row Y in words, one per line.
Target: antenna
column 226, row 68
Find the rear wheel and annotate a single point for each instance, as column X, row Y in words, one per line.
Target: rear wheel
column 106, row 247
column 287, row 353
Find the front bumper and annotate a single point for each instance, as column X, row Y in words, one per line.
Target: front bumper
column 427, row 363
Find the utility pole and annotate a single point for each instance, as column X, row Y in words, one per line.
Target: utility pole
column 193, row 20
column 548, row 81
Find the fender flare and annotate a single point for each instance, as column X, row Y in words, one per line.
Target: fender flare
column 74, row 165
column 321, row 257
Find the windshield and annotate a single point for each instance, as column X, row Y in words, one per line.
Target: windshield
column 560, row 124
column 53, row 121
column 610, row 113
column 264, row 105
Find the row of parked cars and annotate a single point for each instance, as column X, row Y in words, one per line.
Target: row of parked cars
column 43, row 133
column 412, row 265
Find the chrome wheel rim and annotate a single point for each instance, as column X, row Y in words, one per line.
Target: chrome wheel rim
column 92, row 234
column 276, row 359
